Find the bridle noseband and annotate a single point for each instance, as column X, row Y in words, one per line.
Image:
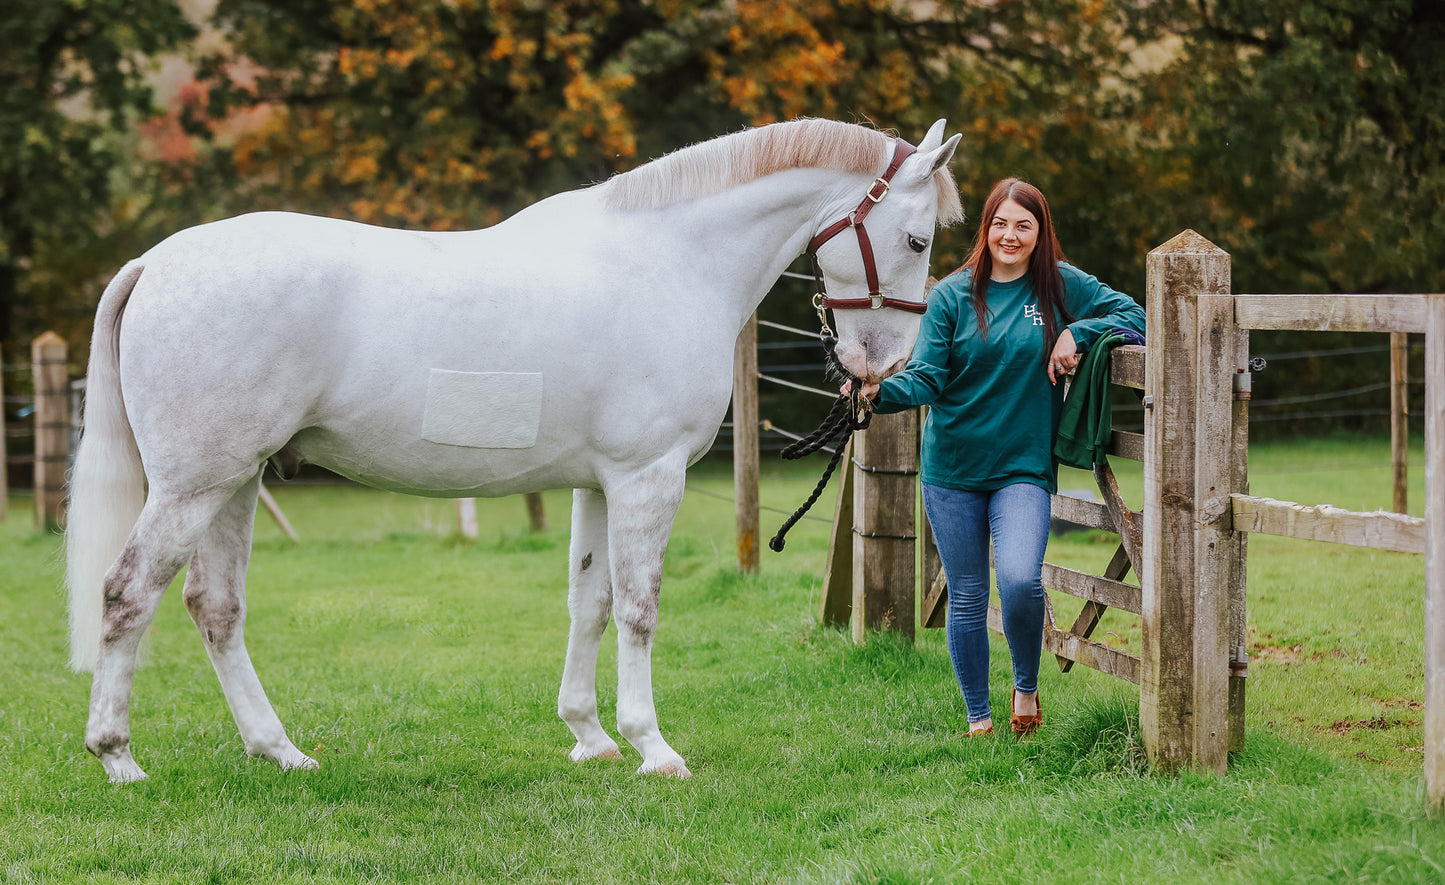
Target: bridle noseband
column 875, row 300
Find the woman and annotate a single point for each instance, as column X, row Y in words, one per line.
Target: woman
column 998, row 336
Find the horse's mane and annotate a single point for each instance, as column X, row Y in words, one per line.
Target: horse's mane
column 730, row 160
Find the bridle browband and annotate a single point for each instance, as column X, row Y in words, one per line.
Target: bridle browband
column 902, row 151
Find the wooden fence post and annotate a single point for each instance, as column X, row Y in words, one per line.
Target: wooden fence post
column 536, row 512
column 1237, row 547
column 1435, row 554
column 933, row 610
column 884, row 498
column 1399, row 419
column 467, row 517
column 52, row 429
column 836, row 606
column 268, row 501
column 745, row 445
column 4, row 459
column 1188, row 527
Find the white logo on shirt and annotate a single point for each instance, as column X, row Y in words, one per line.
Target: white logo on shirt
column 1033, row 311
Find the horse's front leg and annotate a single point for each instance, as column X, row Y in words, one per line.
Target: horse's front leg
column 589, row 601
column 640, row 511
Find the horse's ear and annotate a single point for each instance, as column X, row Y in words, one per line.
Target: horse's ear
column 933, row 139
column 936, row 158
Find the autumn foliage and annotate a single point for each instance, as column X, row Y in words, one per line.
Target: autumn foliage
column 1305, row 137
column 423, row 113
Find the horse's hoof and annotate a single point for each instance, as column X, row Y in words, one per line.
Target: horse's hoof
column 120, row 768
column 673, row 767
column 610, row 752
column 298, row 761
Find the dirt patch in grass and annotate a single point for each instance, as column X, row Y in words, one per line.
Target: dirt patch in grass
column 1276, row 654
column 1378, row 723
column 1407, row 703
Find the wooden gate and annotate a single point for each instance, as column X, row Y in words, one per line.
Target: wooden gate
column 1187, row 543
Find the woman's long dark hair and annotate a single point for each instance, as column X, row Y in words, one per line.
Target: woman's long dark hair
column 1043, row 263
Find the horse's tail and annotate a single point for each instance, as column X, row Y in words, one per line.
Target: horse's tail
column 107, row 481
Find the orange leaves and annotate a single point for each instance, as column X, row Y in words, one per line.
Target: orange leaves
column 443, row 112
column 592, row 111
column 368, row 64
column 359, row 162
column 779, row 63
column 799, row 75
column 505, row 47
column 595, row 111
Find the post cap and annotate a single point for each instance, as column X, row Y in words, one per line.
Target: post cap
column 1187, row 242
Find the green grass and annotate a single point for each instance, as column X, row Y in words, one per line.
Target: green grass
column 422, row 671
column 1336, row 634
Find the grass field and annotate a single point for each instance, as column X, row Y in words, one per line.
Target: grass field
column 422, row 671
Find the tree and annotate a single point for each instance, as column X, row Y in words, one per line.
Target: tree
column 1303, row 136
column 432, row 112
column 1311, row 143
column 71, row 81
column 1315, row 132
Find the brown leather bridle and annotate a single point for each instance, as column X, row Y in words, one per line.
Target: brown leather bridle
column 848, row 413
column 875, row 300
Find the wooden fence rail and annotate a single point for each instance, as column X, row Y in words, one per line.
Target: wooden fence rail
column 1380, row 529
column 1397, row 315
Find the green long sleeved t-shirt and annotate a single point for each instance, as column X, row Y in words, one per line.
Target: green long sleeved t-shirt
column 993, row 413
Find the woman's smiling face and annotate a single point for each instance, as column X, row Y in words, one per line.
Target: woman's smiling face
column 1012, row 233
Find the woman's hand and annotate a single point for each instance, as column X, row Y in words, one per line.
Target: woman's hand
column 1065, row 357
column 867, row 393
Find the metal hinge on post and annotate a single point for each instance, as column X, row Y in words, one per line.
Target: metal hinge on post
column 1244, row 377
column 1239, row 662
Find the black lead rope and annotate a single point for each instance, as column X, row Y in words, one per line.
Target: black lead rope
column 843, row 418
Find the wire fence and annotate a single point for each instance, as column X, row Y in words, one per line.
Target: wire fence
column 1127, row 415
column 785, row 364
column 17, row 380
column 19, row 420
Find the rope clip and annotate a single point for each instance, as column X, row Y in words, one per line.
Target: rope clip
column 826, row 331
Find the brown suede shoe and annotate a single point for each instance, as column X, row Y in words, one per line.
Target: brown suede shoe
column 982, row 732
column 1025, row 725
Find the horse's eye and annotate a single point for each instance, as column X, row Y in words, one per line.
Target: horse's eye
column 917, row 244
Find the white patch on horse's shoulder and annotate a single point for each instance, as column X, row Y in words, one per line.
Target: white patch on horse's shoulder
column 483, row 410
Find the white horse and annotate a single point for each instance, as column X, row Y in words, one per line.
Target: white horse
column 585, row 343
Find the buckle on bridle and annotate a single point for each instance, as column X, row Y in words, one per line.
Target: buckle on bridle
column 876, row 195
column 875, row 301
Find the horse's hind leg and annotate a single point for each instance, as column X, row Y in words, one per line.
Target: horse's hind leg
column 589, row 601
column 164, row 536
column 215, row 595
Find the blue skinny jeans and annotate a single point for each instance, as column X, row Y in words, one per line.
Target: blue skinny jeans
column 1017, row 519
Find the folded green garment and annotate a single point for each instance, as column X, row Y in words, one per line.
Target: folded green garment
column 1085, row 422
